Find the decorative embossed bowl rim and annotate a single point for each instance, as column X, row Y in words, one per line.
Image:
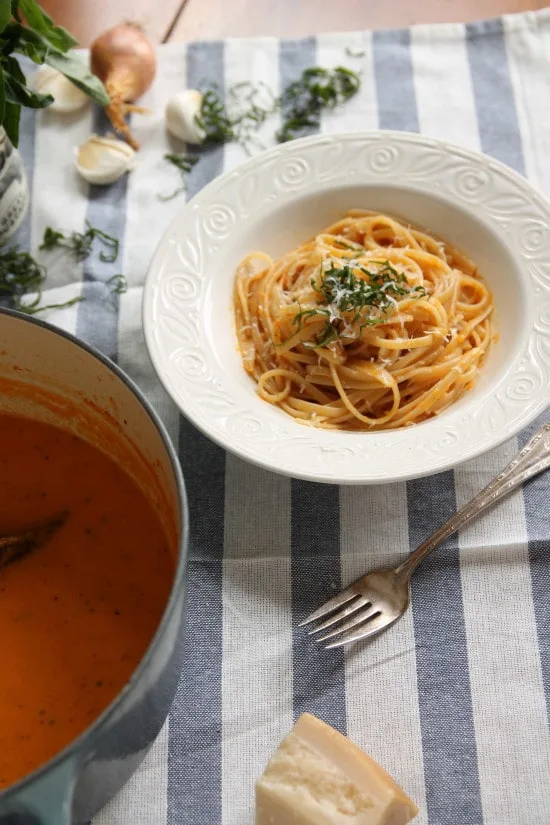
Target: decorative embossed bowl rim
column 284, row 195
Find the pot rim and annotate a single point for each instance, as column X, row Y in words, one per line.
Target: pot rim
column 179, row 575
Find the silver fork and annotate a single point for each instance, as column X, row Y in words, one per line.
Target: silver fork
column 374, row 602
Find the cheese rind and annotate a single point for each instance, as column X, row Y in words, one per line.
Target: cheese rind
column 318, row 777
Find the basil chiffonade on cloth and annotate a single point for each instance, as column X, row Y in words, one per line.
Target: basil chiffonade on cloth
column 454, row 700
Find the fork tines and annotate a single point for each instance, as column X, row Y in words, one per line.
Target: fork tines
column 350, row 602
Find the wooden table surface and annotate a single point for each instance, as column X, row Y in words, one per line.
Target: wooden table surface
column 177, row 20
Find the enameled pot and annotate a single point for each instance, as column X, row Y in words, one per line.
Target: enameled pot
column 75, row 784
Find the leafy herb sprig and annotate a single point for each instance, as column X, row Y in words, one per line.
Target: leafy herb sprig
column 43, row 42
column 351, row 303
column 21, row 274
column 248, row 106
column 238, row 118
column 214, row 119
column 81, row 243
column 342, row 289
column 184, row 163
column 317, row 89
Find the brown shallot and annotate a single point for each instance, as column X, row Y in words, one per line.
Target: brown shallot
column 124, row 59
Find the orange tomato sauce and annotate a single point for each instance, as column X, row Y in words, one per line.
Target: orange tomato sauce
column 77, row 614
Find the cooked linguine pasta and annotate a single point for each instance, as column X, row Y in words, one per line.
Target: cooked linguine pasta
column 369, row 325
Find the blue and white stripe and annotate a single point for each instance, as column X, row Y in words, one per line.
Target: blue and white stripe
column 317, row 676
column 455, row 700
column 195, row 722
column 443, row 683
column 257, row 673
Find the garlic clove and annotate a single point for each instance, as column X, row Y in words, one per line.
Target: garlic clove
column 103, row 160
column 66, row 96
column 181, row 113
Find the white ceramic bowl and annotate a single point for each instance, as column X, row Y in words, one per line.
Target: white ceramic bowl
column 275, row 201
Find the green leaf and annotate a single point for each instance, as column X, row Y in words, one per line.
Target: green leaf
column 51, row 238
column 10, row 123
column 25, row 41
column 73, row 68
column 8, row 40
column 13, row 68
column 35, row 46
column 5, row 14
column 44, row 25
column 17, row 92
column 12, row 113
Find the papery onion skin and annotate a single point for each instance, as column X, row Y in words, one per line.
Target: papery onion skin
column 124, row 59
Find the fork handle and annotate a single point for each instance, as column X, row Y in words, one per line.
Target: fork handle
column 532, row 460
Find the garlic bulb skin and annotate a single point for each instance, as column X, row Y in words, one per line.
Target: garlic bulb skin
column 181, row 113
column 103, row 160
column 67, row 97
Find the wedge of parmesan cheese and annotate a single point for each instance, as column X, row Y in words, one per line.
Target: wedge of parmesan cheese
column 318, row 777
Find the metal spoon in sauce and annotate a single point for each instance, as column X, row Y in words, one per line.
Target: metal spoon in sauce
column 13, row 548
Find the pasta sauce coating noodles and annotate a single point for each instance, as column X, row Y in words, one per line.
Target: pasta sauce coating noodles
column 370, row 325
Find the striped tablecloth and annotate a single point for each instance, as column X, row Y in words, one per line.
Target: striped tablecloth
column 454, row 700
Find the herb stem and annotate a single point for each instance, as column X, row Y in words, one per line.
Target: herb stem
column 184, row 163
